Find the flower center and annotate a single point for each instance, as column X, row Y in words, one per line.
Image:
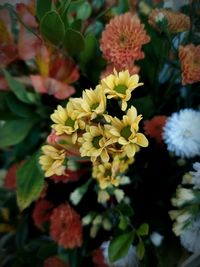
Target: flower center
column 126, row 132
column 69, row 122
column 96, row 140
column 187, row 134
column 123, row 39
column 94, row 106
column 120, row 88
column 107, row 173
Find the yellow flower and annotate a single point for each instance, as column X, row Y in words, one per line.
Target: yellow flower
column 120, row 85
column 52, row 161
column 92, row 103
column 66, row 121
column 104, row 175
column 93, row 143
column 125, row 133
column 121, row 164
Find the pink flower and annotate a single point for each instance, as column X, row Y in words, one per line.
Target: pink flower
column 122, row 40
column 42, row 212
column 65, row 227
column 189, row 56
column 56, row 73
column 51, row 86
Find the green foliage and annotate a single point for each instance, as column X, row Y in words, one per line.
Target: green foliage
column 19, row 90
column 140, row 249
column 123, row 223
column 89, row 50
column 73, row 41
column 14, row 131
column 17, row 107
column 84, row 11
column 143, row 229
column 52, row 27
column 119, row 246
column 144, row 105
column 42, row 7
column 30, row 180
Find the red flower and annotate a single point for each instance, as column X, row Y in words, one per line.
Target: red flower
column 65, row 227
column 69, row 176
column 54, row 262
column 122, row 40
column 42, row 212
column 189, row 56
column 98, row 258
column 154, row 127
column 10, row 178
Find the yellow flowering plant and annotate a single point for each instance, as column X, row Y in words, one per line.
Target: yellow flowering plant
column 99, row 120
column 102, row 136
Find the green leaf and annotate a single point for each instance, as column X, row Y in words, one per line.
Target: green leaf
column 30, row 180
column 119, row 246
column 84, row 11
column 17, row 107
column 76, row 24
column 89, row 51
column 13, row 132
column 42, row 7
column 74, row 41
column 22, row 233
column 144, row 105
column 143, row 229
column 123, row 223
column 140, row 249
column 20, row 90
column 52, row 27
column 125, row 209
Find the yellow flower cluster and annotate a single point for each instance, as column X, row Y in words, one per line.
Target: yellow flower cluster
column 109, row 142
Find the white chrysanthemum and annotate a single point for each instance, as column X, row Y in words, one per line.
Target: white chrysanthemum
column 190, row 238
column 130, row 260
column 181, row 133
column 196, row 175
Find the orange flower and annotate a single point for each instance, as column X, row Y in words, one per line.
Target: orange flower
column 42, row 212
column 154, row 127
column 54, row 262
column 122, row 40
column 133, row 69
column 176, row 21
column 65, row 227
column 189, row 56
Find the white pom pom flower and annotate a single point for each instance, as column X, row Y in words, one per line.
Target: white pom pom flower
column 181, row 133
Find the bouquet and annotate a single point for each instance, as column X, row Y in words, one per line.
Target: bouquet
column 100, row 133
